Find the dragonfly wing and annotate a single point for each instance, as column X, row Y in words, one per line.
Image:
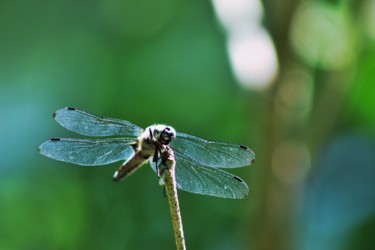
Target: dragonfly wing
column 211, row 153
column 88, row 152
column 193, row 177
column 84, row 123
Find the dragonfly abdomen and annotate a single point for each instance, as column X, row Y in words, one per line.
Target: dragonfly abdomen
column 131, row 165
column 144, row 149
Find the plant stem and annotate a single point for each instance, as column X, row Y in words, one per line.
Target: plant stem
column 167, row 175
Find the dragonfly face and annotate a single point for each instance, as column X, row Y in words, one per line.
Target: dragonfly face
column 162, row 134
column 198, row 161
column 147, row 146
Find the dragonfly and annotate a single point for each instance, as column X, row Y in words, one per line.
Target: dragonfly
column 199, row 162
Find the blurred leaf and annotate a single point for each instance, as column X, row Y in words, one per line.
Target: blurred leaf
column 321, row 34
column 362, row 101
column 138, row 19
column 339, row 197
column 41, row 214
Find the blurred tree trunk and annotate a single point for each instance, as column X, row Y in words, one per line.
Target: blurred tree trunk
column 275, row 218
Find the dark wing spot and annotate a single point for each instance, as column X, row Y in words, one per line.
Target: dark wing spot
column 54, row 115
column 244, row 147
column 238, row 178
column 55, row 139
column 253, row 160
column 69, row 108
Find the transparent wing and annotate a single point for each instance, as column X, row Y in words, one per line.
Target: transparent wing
column 211, row 153
column 88, row 124
column 87, row 152
column 192, row 177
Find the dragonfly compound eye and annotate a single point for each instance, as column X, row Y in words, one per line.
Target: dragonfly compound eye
column 167, row 135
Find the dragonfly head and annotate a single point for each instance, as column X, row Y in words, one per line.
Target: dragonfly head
column 162, row 133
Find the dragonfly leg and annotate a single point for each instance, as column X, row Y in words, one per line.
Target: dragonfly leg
column 157, row 156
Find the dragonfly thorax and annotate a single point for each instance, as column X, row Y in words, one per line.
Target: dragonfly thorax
column 162, row 134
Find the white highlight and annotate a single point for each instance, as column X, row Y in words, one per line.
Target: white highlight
column 253, row 58
column 115, row 174
column 233, row 13
column 251, row 51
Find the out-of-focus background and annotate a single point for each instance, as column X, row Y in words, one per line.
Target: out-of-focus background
column 293, row 80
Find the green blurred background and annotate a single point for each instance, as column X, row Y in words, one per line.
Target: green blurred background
column 309, row 118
